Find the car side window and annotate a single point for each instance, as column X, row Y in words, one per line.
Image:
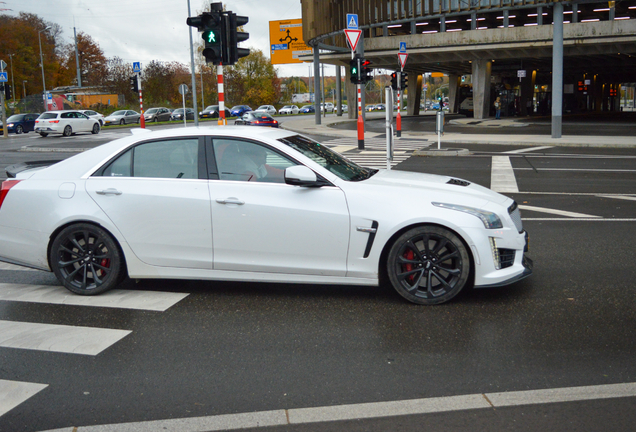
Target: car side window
column 66, row 115
column 177, row 159
column 240, row 160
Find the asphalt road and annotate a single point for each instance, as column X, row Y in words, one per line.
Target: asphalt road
column 229, row 348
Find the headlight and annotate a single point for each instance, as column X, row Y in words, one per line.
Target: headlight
column 489, row 219
column 10, row 125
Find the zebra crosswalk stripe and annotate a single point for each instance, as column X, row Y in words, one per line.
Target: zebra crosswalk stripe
column 13, row 393
column 374, row 153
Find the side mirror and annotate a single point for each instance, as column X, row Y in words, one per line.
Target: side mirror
column 300, row 175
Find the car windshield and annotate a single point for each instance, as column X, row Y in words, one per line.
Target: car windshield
column 178, row 111
column 119, row 113
column 212, row 108
column 152, row 110
column 328, row 159
column 263, row 107
column 236, row 108
column 287, row 106
column 15, row 118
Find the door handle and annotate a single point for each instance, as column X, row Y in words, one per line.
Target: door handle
column 230, row 200
column 109, row 191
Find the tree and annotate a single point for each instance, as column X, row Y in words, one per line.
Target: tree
column 252, row 80
column 93, row 63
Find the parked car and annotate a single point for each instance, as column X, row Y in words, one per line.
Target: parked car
column 369, row 107
column 328, row 106
column 379, row 107
column 277, row 207
column 239, row 110
column 252, row 118
column 20, row 123
column 269, row 109
column 307, row 109
column 157, row 114
column 212, row 111
column 289, row 109
column 345, row 108
column 94, row 115
column 122, row 117
column 178, row 114
column 65, row 122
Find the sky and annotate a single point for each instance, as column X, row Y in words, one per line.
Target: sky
column 146, row 30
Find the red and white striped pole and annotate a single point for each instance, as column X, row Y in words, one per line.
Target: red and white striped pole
column 398, row 120
column 142, row 121
column 360, row 121
column 219, row 75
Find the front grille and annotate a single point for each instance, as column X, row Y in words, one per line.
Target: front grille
column 506, row 257
column 515, row 214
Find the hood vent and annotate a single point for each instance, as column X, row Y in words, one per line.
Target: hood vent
column 458, row 182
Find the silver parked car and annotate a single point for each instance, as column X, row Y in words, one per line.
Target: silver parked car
column 122, row 117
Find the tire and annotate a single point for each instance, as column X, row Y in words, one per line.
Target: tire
column 95, row 130
column 428, row 265
column 44, row 135
column 122, row 122
column 19, row 129
column 156, row 120
column 101, row 123
column 86, row 270
column 68, row 131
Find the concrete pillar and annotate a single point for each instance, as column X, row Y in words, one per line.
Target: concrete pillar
column 415, row 95
column 527, row 92
column 506, row 20
column 338, row 91
column 442, row 24
column 557, row 70
column 352, row 96
column 473, row 20
column 481, row 88
column 575, row 13
column 453, row 93
column 539, row 15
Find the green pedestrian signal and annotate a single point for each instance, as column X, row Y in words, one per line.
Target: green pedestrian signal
column 210, row 37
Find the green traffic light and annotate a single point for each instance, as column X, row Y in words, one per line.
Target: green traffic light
column 209, row 36
column 354, row 71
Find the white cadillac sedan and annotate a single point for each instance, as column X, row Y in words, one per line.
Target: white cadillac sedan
column 65, row 122
column 255, row 204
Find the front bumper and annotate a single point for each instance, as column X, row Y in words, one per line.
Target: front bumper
column 527, row 271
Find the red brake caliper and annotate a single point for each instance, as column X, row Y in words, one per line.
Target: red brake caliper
column 105, row 262
column 408, row 267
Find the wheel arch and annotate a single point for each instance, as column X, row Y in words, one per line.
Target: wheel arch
column 90, row 222
column 382, row 263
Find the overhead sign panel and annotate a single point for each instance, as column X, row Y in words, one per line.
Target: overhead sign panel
column 286, row 41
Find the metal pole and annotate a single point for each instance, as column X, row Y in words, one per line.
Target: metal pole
column 202, row 98
column 221, row 91
column 398, row 120
column 323, row 91
column 317, row 97
column 194, row 81
column 77, row 63
column 557, row 69
column 142, row 120
column 46, row 101
column 389, row 125
column 13, row 82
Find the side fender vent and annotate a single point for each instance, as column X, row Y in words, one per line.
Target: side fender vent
column 458, row 182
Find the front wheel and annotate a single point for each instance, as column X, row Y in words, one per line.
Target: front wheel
column 428, row 265
column 122, row 122
column 18, row 129
column 44, row 135
column 86, row 259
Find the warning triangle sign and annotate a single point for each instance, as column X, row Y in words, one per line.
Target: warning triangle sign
column 353, row 36
column 402, row 59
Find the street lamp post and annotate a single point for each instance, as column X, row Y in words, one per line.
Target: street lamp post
column 12, row 80
column 42, row 65
column 24, row 87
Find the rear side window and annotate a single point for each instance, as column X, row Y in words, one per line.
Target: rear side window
column 158, row 159
column 46, row 116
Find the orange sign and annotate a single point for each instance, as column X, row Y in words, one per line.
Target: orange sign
column 286, row 41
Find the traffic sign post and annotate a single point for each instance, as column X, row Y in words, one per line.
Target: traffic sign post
column 353, row 35
column 402, row 56
column 3, row 79
column 183, row 89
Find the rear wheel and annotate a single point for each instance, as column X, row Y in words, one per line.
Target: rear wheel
column 44, row 134
column 428, row 265
column 95, row 129
column 68, row 131
column 86, row 259
column 18, row 129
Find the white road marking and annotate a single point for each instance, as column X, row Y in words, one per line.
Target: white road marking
column 581, row 219
column 623, row 197
column 525, row 150
column 502, row 176
column 556, row 212
column 58, row 338
column 371, row 410
column 13, row 393
column 576, row 169
column 123, row 299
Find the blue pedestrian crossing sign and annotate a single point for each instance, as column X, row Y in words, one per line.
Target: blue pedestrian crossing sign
column 4, row 77
column 402, row 47
column 352, row 21
column 136, row 67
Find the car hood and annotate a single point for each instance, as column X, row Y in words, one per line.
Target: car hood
column 437, row 187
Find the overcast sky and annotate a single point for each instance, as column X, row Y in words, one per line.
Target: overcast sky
column 145, row 30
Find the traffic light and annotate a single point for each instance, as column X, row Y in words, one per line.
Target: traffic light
column 404, row 80
column 366, row 73
column 134, row 84
column 213, row 27
column 235, row 36
column 354, row 70
column 394, row 80
column 8, row 93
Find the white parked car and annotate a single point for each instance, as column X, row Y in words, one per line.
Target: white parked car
column 289, row 109
column 263, row 205
column 326, row 106
column 345, row 108
column 94, row 115
column 65, row 122
column 269, row 109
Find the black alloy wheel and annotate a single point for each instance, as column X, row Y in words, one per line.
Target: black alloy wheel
column 18, row 129
column 86, row 259
column 95, row 129
column 122, row 122
column 428, row 265
column 68, row 131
